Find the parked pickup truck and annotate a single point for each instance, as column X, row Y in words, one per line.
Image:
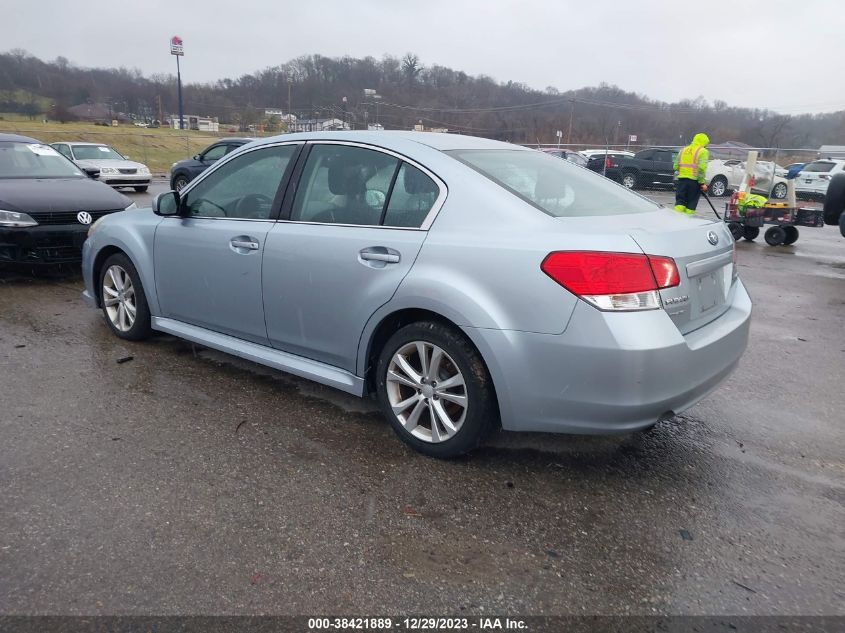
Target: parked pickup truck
column 651, row 167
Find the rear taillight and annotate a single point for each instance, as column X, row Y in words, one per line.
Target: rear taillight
column 613, row 281
column 608, row 163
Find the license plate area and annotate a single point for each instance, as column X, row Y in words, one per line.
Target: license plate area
column 713, row 288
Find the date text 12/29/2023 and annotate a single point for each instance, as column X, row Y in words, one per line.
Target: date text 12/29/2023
column 416, row 624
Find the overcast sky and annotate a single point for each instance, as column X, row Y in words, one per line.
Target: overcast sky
column 783, row 55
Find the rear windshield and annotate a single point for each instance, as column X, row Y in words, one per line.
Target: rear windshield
column 818, row 167
column 34, row 160
column 554, row 186
column 95, row 152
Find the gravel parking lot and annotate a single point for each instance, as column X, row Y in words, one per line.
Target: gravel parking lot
column 163, row 478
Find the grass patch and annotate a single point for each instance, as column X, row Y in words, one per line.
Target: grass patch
column 158, row 148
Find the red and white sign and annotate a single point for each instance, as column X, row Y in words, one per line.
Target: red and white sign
column 176, row 47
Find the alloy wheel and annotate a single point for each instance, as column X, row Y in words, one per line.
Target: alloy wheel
column 629, row 181
column 718, row 188
column 426, row 391
column 119, row 298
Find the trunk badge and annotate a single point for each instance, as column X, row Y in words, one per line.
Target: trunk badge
column 712, row 238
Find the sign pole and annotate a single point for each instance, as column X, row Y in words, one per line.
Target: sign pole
column 179, row 89
column 177, row 49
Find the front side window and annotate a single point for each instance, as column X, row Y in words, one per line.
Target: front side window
column 242, row 188
column 64, row 150
column 343, row 184
column 214, row 153
column 95, row 152
column 554, row 186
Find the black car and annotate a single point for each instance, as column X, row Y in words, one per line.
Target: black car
column 186, row 170
column 607, row 160
column 47, row 203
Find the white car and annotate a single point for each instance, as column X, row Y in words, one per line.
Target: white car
column 726, row 175
column 115, row 169
column 812, row 181
column 589, row 153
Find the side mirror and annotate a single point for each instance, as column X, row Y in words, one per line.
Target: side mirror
column 167, row 204
column 197, row 157
column 93, row 172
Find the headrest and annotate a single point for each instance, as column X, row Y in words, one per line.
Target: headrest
column 416, row 182
column 549, row 185
column 347, row 178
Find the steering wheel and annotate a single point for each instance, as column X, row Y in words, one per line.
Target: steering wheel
column 251, row 206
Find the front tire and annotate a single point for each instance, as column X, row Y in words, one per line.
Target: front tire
column 140, row 189
column 750, row 233
column 179, row 182
column 435, row 390
column 123, row 300
column 775, row 236
column 791, row 235
column 718, row 186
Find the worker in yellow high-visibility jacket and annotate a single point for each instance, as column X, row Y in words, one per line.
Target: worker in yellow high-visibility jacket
column 691, row 170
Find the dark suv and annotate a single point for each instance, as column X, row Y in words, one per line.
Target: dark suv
column 186, row 170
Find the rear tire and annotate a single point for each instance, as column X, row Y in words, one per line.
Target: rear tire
column 718, row 186
column 779, row 191
column 123, row 299
column 791, row 235
column 775, row 236
column 736, row 230
column 629, row 180
column 750, row 233
column 834, row 201
column 436, row 421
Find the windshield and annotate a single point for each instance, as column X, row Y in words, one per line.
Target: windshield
column 34, row 160
column 95, row 152
column 554, row 186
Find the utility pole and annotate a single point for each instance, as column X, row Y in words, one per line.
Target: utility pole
column 290, row 114
column 571, row 114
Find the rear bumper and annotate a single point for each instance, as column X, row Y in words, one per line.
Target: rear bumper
column 52, row 244
column 611, row 372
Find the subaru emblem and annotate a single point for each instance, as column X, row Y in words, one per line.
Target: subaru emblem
column 85, row 218
column 712, row 238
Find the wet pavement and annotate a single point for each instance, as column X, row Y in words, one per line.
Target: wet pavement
column 187, row 481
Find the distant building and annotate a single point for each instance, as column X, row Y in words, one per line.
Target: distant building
column 194, row 122
column 729, row 149
column 97, row 112
column 317, row 125
column 832, row 151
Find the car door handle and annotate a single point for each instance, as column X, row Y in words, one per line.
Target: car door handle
column 388, row 258
column 248, row 244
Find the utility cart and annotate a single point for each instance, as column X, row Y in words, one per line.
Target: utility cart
column 745, row 221
column 784, row 219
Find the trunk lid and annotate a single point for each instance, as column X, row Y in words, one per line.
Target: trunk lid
column 706, row 270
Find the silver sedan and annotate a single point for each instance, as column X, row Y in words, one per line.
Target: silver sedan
column 468, row 284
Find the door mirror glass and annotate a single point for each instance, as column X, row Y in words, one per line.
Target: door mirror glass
column 166, row 204
column 197, row 157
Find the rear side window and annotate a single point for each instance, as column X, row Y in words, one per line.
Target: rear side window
column 413, row 196
column 820, row 166
column 554, row 186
